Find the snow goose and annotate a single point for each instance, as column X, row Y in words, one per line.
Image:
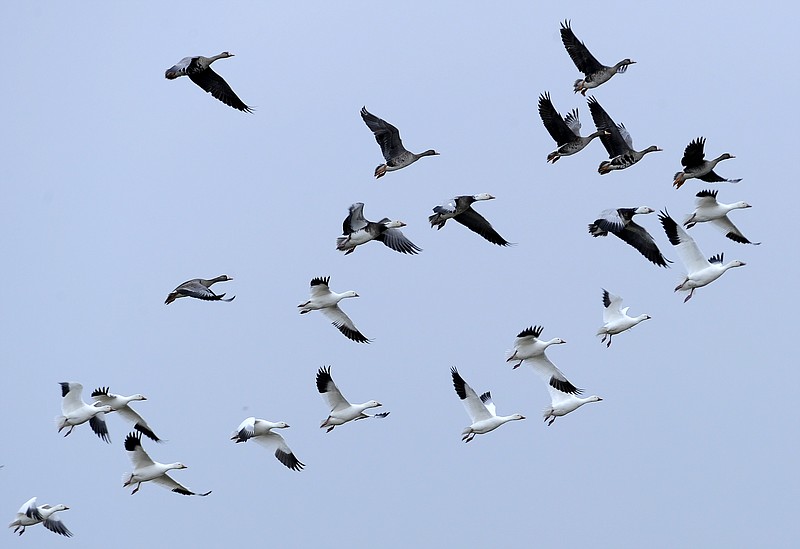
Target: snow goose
column 595, row 72
column 617, row 141
column 699, row 270
column 120, row 404
column 75, row 411
column 563, row 403
column 198, row 69
column 323, row 299
column 481, row 409
column 388, row 137
column 199, row 288
column 527, row 345
column 341, row 410
column 260, row 430
column 357, row 230
column 145, row 469
column 708, row 209
column 30, row 514
column 460, row 209
column 620, row 223
column 564, row 130
column 615, row 318
column 695, row 165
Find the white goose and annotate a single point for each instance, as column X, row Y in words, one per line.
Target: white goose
column 527, row 345
column 145, row 469
column 261, row 431
column 341, row 410
column 615, row 318
column 30, row 514
column 708, row 209
column 120, row 404
column 198, row 69
column 700, row 271
column 323, row 299
column 563, row 403
column 75, row 411
column 481, row 409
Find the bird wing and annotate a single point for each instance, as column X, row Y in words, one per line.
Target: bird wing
column 330, row 391
column 138, row 422
column 245, row 431
column 474, row 406
column 613, row 141
column 611, row 307
column 193, row 288
column 98, row 425
column 283, row 453
column 693, row 155
column 687, row 249
column 573, row 122
column 169, row 483
column 579, row 53
column 396, row 240
column 706, row 199
column 344, row 324
column 71, row 401
column 30, row 510
column 216, row 86
column 623, row 131
column 486, row 398
column 528, row 335
column 476, row 223
column 555, row 125
column 552, row 375
column 387, row 136
column 319, row 287
column 610, row 221
column 139, row 458
column 54, row 524
column 712, row 177
column 730, row 230
column 636, row 235
column 355, row 220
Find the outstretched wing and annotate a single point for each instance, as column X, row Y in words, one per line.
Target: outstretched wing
column 344, row 324
column 214, row 84
column 578, row 52
column 396, row 240
column 476, row 223
column 387, row 136
column 555, row 125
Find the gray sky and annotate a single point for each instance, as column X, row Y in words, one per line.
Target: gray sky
column 119, row 184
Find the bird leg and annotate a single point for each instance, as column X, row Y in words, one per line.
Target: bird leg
column 609, row 341
column 330, row 428
column 21, row 531
column 551, row 421
column 380, row 171
column 688, row 297
column 138, row 485
column 71, row 427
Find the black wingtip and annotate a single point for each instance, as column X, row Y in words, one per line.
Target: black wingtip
column 133, row 440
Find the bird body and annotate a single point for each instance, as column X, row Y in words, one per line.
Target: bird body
column 145, row 469
column 323, row 299
column 76, row 412
column 708, row 209
column 460, row 209
column 563, row 403
column 696, row 166
column 198, row 69
column 615, row 318
column 528, row 346
column 199, row 288
column 388, row 138
column 341, row 410
column 481, row 409
column 595, row 73
column 700, row 271
column 30, row 514
column 616, row 140
column 564, row 130
column 620, row 222
column 262, row 432
column 357, row 230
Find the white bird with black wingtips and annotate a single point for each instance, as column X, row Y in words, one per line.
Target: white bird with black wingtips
column 262, row 432
column 341, row 410
column 30, row 514
column 528, row 346
column 75, row 411
column 615, row 318
column 120, row 404
column 145, row 469
column 481, row 410
column 699, row 270
column 323, row 299
column 708, row 209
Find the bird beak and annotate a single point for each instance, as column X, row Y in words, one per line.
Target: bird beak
column 598, row 398
column 402, row 224
column 358, row 295
column 66, row 508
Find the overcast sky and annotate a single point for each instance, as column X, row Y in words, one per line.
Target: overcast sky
column 119, row 184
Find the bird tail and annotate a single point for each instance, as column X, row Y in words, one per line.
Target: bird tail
column 678, row 180
column 61, row 422
column 340, row 243
column 578, row 85
column 127, row 479
column 596, row 231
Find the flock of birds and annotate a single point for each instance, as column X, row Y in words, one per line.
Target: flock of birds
column 529, row 347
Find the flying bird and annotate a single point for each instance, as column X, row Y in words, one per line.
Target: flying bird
column 564, row 130
column 620, row 223
column 615, row 318
column 617, row 141
column 262, row 432
column 75, row 411
column 341, row 410
column 460, row 209
column 595, row 73
column 696, row 166
column 323, row 299
column 528, row 346
column 708, row 209
column 388, row 137
column 120, row 404
column 30, row 514
column 198, row 69
column 699, row 270
column 199, row 288
column 145, row 469
column 481, row 409
column 357, row 230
